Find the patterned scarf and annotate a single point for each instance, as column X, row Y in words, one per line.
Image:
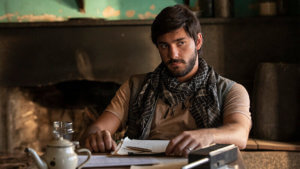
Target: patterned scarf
column 201, row 91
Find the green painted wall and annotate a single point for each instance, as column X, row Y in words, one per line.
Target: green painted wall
column 59, row 10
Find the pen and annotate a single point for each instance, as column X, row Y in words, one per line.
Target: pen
column 138, row 149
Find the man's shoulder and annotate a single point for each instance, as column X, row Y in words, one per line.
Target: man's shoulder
column 223, row 82
column 137, row 79
column 135, row 85
column 224, row 85
column 138, row 76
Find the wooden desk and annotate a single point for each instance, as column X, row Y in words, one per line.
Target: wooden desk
column 239, row 163
column 23, row 161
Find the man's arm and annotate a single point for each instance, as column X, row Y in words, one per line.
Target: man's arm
column 235, row 129
column 98, row 135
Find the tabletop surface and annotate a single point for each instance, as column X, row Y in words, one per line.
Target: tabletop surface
column 24, row 161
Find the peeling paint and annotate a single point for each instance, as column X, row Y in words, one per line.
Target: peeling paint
column 152, row 7
column 45, row 17
column 110, row 12
column 130, row 13
column 57, row 10
column 147, row 15
column 7, row 16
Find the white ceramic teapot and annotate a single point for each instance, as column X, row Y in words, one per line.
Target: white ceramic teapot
column 59, row 154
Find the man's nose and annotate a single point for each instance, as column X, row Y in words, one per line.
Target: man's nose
column 173, row 52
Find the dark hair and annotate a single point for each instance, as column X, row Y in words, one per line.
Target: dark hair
column 172, row 18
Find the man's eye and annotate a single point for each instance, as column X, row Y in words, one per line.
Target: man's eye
column 163, row 46
column 181, row 43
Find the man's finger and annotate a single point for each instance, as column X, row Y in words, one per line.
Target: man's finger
column 87, row 144
column 107, row 140
column 172, row 144
column 93, row 143
column 190, row 147
column 181, row 146
column 114, row 145
column 100, row 143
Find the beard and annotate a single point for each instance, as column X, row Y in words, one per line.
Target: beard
column 189, row 65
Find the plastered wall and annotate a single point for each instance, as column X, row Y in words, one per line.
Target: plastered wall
column 60, row 10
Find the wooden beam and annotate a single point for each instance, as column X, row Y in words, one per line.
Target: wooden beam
column 80, row 4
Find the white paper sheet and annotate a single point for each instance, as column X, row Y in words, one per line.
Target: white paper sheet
column 157, row 146
column 109, row 161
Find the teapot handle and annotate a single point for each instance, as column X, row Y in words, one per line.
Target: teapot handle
column 87, row 159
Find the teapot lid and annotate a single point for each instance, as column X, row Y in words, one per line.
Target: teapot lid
column 60, row 142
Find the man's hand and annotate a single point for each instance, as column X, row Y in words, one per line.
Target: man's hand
column 235, row 130
column 97, row 137
column 187, row 141
column 100, row 141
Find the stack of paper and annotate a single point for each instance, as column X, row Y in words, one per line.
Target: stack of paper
column 129, row 146
column 120, row 156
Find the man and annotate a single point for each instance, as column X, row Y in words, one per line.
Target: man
column 183, row 99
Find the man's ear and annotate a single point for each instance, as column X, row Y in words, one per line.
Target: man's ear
column 199, row 41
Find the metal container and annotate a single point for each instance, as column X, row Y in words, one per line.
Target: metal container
column 63, row 129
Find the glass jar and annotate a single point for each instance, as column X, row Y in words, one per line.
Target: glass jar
column 63, row 129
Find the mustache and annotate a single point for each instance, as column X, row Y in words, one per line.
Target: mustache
column 175, row 61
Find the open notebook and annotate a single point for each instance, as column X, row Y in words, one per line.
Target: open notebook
column 141, row 147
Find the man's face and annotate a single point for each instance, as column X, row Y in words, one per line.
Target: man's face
column 178, row 52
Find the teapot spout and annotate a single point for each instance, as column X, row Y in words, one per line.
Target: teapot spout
column 39, row 162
